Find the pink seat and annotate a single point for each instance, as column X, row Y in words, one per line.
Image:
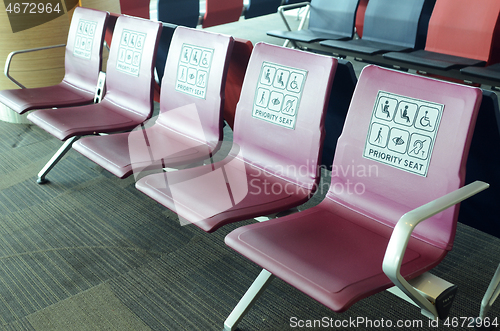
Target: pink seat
column 278, row 132
column 189, row 126
column 82, row 65
column 129, row 88
column 335, row 252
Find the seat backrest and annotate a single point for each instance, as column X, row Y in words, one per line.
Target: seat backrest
column 185, row 12
column 130, row 68
column 137, row 8
column 405, row 143
column 335, row 16
column 481, row 212
column 197, row 62
column 221, row 12
column 279, row 123
column 261, row 7
column 466, row 28
column 83, row 59
column 402, row 23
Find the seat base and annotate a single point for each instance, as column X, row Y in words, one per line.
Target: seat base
column 261, row 7
column 490, row 72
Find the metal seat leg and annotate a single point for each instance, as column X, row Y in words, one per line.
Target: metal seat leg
column 247, row 301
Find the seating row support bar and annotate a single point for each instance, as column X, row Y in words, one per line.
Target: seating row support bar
column 246, row 302
column 55, row 159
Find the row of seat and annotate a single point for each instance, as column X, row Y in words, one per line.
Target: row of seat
column 191, row 14
column 400, row 160
column 448, row 38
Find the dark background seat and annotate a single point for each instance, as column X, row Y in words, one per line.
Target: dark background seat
column 490, row 73
column 389, row 26
column 185, row 12
column 461, row 33
column 328, row 19
column 481, row 212
column 137, row 8
column 261, row 7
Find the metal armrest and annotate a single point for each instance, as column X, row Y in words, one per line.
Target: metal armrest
column 11, row 55
column 281, row 11
column 401, row 235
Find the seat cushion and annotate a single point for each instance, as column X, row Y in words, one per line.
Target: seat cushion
column 489, row 72
column 221, row 12
column 103, row 117
column 60, row 95
column 306, row 36
column 364, row 46
column 329, row 252
column 136, row 151
column 213, row 195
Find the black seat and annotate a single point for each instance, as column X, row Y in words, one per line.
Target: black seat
column 185, row 12
column 482, row 164
column 329, row 19
column 490, row 73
